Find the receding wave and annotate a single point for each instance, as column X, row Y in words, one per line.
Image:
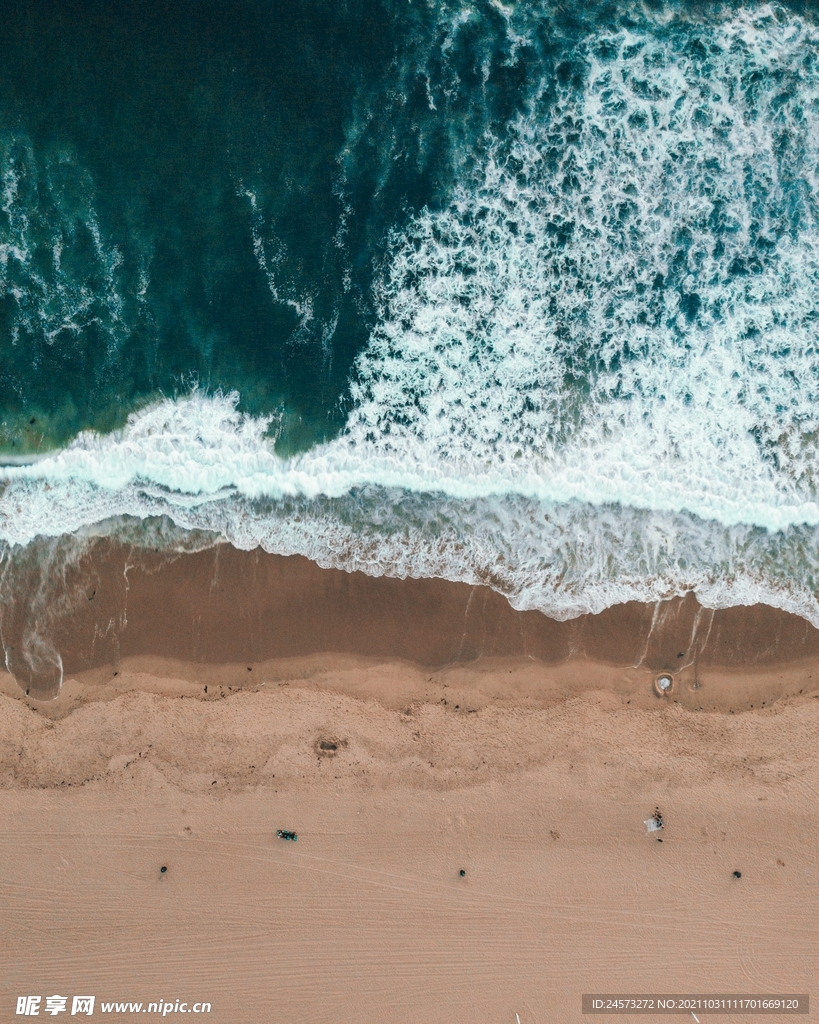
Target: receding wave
column 594, row 375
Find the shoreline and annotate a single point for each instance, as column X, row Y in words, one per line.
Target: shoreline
column 114, row 605
column 523, row 759
column 510, row 682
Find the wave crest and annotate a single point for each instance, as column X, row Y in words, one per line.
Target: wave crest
column 594, row 377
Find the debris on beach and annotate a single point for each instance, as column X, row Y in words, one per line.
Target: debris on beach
column 655, row 822
column 663, row 684
column 284, row 833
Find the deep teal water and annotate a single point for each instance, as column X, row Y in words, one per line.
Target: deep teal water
column 158, row 143
column 523, row 294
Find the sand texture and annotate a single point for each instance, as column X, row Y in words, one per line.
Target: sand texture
column 407, row 730
column 534, row 780
column 88, row 609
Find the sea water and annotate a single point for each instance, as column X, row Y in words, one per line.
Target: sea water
column 501, row 293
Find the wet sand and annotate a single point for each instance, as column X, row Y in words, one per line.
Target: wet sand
column 525, row 758
column 91, row 608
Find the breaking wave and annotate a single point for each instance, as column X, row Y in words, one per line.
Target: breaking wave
column 594, row 375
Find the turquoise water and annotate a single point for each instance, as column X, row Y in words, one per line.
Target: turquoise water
column 508, row 293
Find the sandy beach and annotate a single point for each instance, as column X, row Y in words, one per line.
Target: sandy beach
column 532, row 771
column 409, row 510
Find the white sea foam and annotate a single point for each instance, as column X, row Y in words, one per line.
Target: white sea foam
column 46, row 215
column 594, row 376
column 653, row 241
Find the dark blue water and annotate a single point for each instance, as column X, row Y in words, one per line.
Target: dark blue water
column 524, row 294
column 221, row 179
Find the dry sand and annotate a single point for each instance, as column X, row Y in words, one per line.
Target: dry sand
column 494, row 768
column 458, row 734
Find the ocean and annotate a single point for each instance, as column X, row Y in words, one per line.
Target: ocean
column 516, row 294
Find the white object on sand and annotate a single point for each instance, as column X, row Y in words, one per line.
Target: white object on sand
column 652, row 825
column 663, row 684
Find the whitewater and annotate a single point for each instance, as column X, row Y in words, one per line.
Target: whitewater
column 594, row 373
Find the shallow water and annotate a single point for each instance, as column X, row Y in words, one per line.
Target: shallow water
column 500, row 293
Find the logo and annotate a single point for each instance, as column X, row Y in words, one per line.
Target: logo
column 29, row 1006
